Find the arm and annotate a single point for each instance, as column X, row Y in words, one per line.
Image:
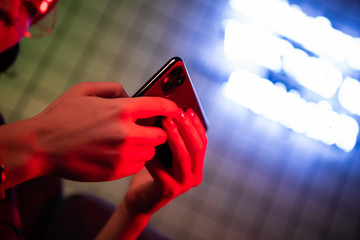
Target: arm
column 87, row 134
column 154, row 187
column 17, row 153
column 124, row 224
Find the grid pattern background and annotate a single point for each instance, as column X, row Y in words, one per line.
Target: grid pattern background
column 261, row 181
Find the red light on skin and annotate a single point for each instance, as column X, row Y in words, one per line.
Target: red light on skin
column 44, row 5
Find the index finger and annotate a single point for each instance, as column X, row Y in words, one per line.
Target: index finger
column 146, row 107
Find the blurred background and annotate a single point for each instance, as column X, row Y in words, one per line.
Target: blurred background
column 279, row 82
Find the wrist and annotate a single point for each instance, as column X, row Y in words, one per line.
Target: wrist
column 20, row 153
column 124, row 224
column 130, row 213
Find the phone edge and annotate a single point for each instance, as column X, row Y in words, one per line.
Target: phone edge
column 156, row 76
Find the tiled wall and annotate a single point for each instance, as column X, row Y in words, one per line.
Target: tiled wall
column 261, row 181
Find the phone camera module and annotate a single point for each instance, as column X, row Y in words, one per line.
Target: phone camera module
column 176, row 72
column 180, row 80
column 168, row 84
column 173, row 80
column 178, row 75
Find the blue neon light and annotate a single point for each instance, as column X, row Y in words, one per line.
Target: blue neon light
column 269, row 37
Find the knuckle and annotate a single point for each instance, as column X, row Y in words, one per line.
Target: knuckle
column 124, row 110
column 113, row 158
column 83, row 85
column 197, row 181
column 150, row 153
column 128, row 136
column 121, row 158
column 121, row 133
column 117, row 112
column 188, row 184
column 135, row 169
column 165, row 104
column 202, row 147
column 170, row 192
column 206, row 141
column 139, row 167
column 109, row 163
column 121, row 87
column 108, row 174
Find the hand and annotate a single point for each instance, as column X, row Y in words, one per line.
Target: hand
column 154, row 187
column 90, row 134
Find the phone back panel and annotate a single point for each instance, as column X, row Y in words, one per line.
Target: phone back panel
column 172, row 81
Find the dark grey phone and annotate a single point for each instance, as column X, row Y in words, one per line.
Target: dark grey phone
column 172, row 81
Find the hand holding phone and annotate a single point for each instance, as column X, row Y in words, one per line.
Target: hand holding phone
column 173, row 82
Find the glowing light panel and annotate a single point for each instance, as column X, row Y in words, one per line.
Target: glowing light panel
column 277, row 36
column 273, row 101
column 44, row 5
column 244, row 42
column 315, row 34
column 249, row 42
column 349, row 95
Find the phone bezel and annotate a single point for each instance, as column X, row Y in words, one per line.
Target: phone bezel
column 157, row 76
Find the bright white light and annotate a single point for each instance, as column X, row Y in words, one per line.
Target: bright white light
column 347, row 132
column 314, row 34
column 245, row 43
column 260, row 39
column 317, row 74
column 354, row 57
column 317, row 121
column 349, row 95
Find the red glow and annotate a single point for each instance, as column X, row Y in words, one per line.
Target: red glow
column 44, row 5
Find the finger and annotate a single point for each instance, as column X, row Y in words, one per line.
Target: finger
column 108, row 90
column 125, row 170
column 144, row 135
column 130, row 153
column 194, row 143
column 181, row 169
column 189, row 133
column 169, row 185
column 145, row 107
column 197, row 123
column 101, row 89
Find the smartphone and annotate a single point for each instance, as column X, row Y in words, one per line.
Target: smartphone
column 173, row 82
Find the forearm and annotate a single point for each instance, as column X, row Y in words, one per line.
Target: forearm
column 124, row 225
column 19, row 154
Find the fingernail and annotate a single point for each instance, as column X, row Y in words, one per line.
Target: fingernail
column 169, row 122
column 179, row 111
column 190, row 112
column 162, row 136
column 182, row 114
